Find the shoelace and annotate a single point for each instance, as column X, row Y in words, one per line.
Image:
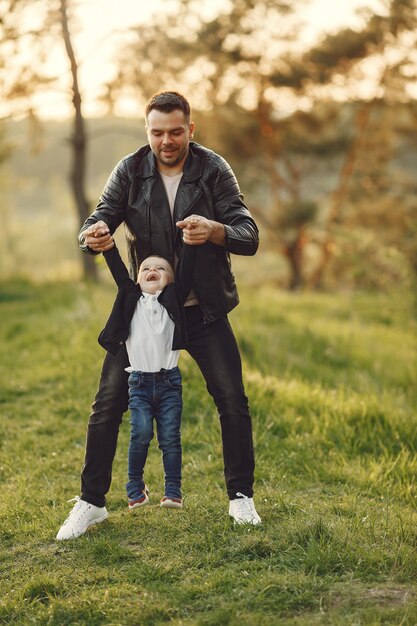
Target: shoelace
column 245, row 504
column 76, row 499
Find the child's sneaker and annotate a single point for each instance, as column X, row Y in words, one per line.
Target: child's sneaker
column 171, row 503
column 143, row 498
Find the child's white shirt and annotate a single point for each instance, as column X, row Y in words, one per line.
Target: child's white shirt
column 149, row 345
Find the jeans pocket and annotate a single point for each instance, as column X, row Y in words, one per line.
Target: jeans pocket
column 174, row 381
column 135, row 381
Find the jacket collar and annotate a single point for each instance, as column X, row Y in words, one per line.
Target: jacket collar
column 192, row 166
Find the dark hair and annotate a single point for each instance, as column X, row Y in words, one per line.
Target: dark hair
column 167, row 101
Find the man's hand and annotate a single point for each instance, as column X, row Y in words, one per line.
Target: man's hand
column 98, row 238
column 197, row 229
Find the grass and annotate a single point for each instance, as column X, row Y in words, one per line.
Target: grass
column 332, row 386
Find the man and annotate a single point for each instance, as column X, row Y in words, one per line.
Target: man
column 168, row 192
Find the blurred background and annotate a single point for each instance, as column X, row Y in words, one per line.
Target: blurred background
column 313, row 102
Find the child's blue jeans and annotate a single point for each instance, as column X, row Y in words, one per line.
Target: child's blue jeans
column 155, row 395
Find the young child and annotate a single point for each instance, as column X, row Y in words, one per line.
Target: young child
column 148, row 316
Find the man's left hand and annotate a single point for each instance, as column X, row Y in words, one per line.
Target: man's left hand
column 197, row 230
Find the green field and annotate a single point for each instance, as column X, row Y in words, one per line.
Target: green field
column 332, row 383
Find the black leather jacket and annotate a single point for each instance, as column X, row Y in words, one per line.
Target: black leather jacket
column 135, row 195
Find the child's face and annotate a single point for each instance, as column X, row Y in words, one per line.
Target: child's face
column 155, row 273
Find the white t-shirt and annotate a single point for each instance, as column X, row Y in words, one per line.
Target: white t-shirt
column 171, row 184
column 149, row 345
column 171, row 187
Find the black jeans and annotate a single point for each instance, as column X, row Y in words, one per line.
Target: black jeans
column 214, row 348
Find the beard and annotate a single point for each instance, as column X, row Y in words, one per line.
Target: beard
column 177, row 157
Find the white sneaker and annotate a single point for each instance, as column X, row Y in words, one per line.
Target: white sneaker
column 82, row 516
column 242, row 510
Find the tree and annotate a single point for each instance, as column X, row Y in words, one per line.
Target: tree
column 275, row 95
column 370, row 159
column 29, row 36
column 18, row 81
column 21, row 42
column 78, row 140
column 224, row 61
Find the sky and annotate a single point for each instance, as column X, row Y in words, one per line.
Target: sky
column 98, row 23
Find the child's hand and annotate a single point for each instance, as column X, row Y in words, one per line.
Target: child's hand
column 98, row 238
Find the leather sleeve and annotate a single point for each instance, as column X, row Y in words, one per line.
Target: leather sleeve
column 117, row 268
column 111, row 207
column 242, row 235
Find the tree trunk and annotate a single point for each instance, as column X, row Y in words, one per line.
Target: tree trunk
column 78, row 142
column 341, row 192
column 294, row 251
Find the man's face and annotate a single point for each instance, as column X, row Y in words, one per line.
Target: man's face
column 155, row 273
column 169, row 136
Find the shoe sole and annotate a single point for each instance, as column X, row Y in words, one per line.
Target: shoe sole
column 252, row 522
column 169, row 504
column 138, row 504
